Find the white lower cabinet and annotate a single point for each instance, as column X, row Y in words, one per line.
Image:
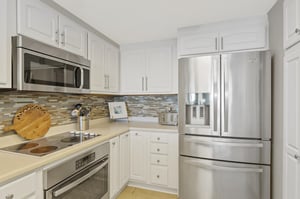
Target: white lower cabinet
column 27, row 187
column 291, row 166
column 154, row 159
column 114, row 166
column 124, row 159
column 119, row 164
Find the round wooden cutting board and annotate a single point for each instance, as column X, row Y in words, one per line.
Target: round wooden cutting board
column 31, row 121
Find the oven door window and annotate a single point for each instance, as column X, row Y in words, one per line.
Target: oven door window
column 43, row 71
column 95, row 187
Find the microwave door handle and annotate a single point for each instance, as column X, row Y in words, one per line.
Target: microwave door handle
column 78, row 181
column 82, row 78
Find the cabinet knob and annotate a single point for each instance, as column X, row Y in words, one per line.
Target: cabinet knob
column 114, row 143
column 158, row 138
column 158, row 161
column 157, row 176
column 297, row 157
column 10, row 196
column 297, row 30
column 136, row 134
column 158, row 150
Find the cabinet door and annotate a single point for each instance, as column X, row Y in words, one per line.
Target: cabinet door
column 291, row 171
column 96, row 56
column 196, row 41
column 73, row 37
column 124, row 159
column 5, row 74
column 23, row 188
column 38, row 21
column 138, row 156
column 114, row 166
column 291, row 17
column 133, row 71
column 244, row 35
column 159, row 70
column 112, row 68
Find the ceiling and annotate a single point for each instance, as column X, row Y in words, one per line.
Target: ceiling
column 130, row 21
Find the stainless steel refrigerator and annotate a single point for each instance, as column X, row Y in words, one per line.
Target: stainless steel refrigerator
column 225, row 126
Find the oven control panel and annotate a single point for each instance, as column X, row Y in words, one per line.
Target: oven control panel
column 85, row 160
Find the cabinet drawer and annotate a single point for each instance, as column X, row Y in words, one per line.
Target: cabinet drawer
column 159, row 148
column 161, row 138
column 159, row 175
column 159, row 159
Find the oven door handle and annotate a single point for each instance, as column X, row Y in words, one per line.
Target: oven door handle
column 80, row 180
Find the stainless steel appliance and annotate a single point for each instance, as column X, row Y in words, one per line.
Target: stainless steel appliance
column 40, row 67
column 84, row 176
column 225, row 126
column 169, row 117
column 47, row 145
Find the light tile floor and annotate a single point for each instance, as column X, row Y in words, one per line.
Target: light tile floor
column 137, row 193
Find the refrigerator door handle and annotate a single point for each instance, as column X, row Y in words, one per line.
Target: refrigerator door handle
column 222, row 168
column 225, row 94
column 230, row 144
column 216, row 95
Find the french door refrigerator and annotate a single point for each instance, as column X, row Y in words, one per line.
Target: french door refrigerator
column 225, row 126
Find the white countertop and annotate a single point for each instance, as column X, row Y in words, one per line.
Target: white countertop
column 14, row 165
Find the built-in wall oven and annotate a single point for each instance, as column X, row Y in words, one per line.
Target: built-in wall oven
column 40, row 67
column 84, row 176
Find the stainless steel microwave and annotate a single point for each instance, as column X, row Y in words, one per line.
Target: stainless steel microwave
column 40, row 67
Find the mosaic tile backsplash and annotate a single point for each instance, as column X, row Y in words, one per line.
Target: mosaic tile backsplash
column 60, row 105
column 149, row 105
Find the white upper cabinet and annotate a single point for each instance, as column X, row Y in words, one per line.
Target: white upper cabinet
column 39, row 21
column 291, row 13
column 291, row 173
column 112, row 68
column 5, row 44
column 149, row 68
column 132, row 71
column 105, row 66
column 96, row 56
column 197, row 40
column 72, row 36
column 237, row 35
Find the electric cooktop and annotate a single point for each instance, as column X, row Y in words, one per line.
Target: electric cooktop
column 47, row 145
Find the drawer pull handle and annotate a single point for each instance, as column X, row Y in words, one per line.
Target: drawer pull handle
column 297, row 157
column 157, row 176
column 158, row 161
column 10, row 196
column 158, row 150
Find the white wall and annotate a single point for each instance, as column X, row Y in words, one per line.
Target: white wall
column 276, row 46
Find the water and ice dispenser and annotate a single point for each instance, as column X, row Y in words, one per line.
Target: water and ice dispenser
column 198, row 109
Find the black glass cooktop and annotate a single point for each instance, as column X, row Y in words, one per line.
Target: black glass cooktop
column 47, row 145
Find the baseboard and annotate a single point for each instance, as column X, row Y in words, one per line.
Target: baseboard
column 153, row 187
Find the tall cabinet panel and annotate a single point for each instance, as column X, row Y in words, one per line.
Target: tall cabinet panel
column 5, row 43
column 291, row 165
column 124, row 159
column 38, row 21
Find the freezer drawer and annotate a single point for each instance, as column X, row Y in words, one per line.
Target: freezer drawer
column 236, row 150
column 205, row 179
